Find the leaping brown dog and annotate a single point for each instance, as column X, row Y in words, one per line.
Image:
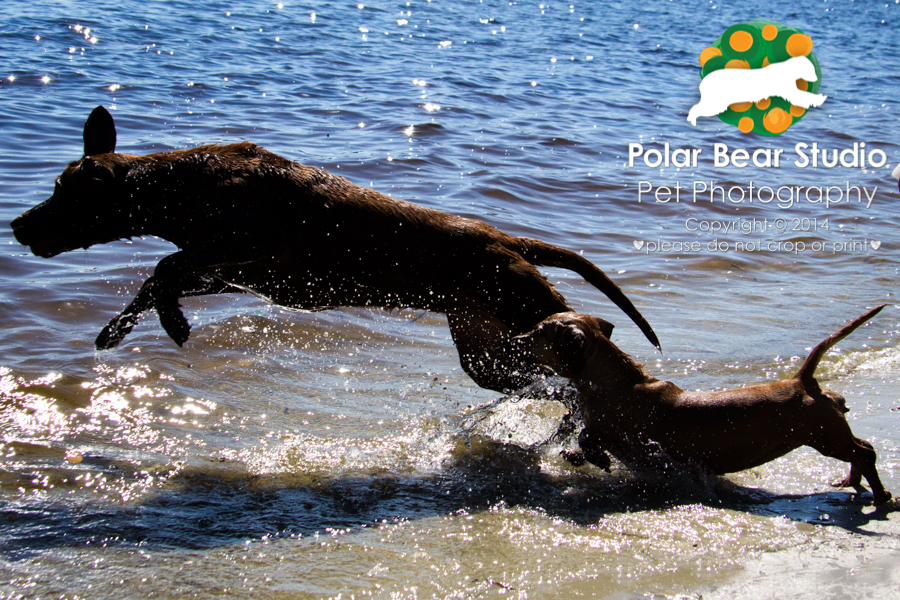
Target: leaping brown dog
column 247, row 220
column 645, row 422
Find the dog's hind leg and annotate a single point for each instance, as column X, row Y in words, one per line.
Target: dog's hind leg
column 853, row 478
column 488, row 350
column 492, row 353
column 861, row 456
column 513, row 297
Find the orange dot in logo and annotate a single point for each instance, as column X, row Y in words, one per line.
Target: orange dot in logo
column 764, row 103
column 797, row 111
column 769, row 32
column 745, row 124
column 802, row 84
column 737, row 63
column 740, row 41
column 799, row 44
column 740, row 106
column 709, row 53
column 766, row 61
column 777, row 120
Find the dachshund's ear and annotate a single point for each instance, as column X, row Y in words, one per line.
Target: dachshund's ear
column 99, row 133
column 559, row 346
column 605, row 327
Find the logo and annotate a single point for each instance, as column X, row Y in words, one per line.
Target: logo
column 759, row 76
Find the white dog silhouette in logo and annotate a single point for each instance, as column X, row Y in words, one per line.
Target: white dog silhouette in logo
column 721, row 88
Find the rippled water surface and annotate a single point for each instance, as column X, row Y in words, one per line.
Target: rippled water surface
column 345, row 454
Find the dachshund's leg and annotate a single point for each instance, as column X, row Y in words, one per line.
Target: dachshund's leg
column 861, row 456
column 853, row 478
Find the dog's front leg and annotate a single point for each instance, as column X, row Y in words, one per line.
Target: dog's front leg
column 489, row 351
column 178, row 275
column 188, row 273
column 805, row 99
column 122, row 324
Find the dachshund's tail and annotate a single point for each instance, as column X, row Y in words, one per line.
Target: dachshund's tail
column 546, row 255
column 807, row 371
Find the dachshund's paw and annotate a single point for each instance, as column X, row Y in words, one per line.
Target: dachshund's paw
column 847, row 482
column 596, row 457
column 175, row 324
column 882, row 497
column 574, row 457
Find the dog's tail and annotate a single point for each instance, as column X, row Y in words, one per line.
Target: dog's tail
column 547, row 255
column 808, row 369
column 693, row 114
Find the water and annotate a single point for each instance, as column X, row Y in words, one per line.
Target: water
column 284, row 454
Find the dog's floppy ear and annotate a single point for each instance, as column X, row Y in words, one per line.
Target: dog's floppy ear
column 99, row 132
column 605, row 327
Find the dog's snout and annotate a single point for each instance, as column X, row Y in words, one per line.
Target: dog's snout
column 34, row 229
column 20, row 229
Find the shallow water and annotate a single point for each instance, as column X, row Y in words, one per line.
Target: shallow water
column 342, row 454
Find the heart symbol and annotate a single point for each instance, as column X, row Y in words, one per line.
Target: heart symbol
column 638, row 244
column 876, row 244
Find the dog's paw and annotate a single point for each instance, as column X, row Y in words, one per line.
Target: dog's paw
column 107, row 339
column 574, row 457
column 599, row 458
column 114, row 332
column 851, row 480
column 175, row 324
column 596, row 457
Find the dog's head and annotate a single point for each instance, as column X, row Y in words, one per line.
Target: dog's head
column 803, row 68
column 87, row 206
column 577, row 346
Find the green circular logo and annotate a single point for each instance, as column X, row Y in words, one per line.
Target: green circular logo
column 756, row 45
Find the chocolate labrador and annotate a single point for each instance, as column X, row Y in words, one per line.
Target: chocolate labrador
column 247, row 220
